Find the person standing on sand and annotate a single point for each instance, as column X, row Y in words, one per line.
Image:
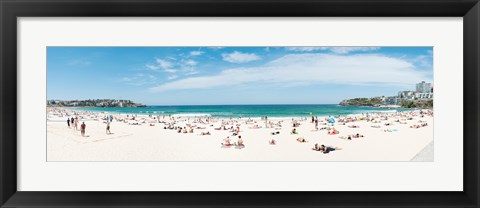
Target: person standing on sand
column 108, row 128
column 75, row 127
column 68, row 122
column 82, row 129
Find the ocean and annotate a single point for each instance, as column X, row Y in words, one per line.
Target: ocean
column 246, row 111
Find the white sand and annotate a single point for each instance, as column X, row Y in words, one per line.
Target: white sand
column 154, row 143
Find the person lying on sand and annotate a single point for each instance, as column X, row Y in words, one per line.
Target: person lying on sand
column 328, row 149
column 272, row 142
column 422, row 125
column 357, row 135
column 256, row 126
column 205, row 133
column 377, row 126
column 333, row 132
column 301, row 139
column 354, row 126
column 275, row 133
column 346, row 137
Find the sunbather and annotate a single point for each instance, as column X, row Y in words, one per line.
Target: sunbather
column 294, row 131
column 328, row 149
column 301, row 139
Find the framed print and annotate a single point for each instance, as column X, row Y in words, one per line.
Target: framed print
column 263, row 101
column 200, row 103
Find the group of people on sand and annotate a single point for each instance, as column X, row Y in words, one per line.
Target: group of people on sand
column 416, row 126
column 349, row 137
column 227, row 142
column 184, row 130
column 74, row 122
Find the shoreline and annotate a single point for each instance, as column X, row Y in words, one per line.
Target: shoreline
column 204, row 114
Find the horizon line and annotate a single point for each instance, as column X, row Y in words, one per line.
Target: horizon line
column 154, row 105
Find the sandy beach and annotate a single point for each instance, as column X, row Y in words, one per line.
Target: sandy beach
column 386, row 137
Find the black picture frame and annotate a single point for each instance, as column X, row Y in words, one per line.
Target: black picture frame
column 10, row 10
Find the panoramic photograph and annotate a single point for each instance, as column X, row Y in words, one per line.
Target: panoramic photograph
column 240, row 104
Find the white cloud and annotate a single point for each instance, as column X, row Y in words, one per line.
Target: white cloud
column 422, row 60
column 152, row 67
column 196, row 53
column 172, row 77
column 238, row 57
column 307, row 68
column 345, row 50
column 337, row 50
column 164, row 63
column 183, row 66
column 139, row 79
column 307, row 49
column 171, row 70
column 190, row 71
column 190, row 62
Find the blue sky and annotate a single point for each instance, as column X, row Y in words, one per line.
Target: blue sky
column 234, row 75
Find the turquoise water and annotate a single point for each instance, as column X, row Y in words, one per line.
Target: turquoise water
column 244, row 111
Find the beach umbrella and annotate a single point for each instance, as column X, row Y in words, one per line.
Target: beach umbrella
column 331, row 120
